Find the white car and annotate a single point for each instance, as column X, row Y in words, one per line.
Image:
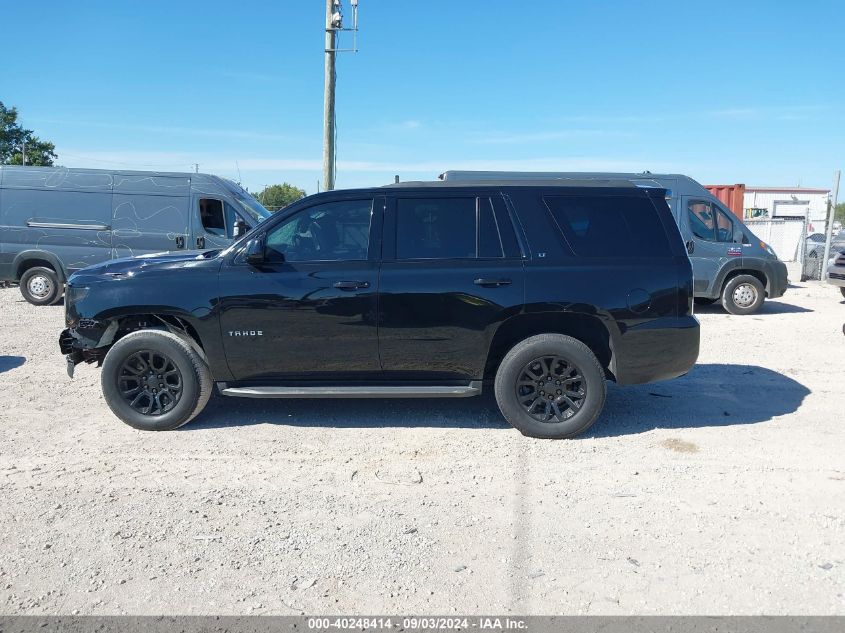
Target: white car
column 814, row 252
column 836, row 272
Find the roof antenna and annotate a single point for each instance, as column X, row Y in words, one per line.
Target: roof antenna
column 396, row 179
column 238, row 167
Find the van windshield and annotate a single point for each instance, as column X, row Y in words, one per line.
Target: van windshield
column 251, row 206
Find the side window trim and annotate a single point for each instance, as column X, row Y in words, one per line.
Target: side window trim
column 480, row 201
column 518, row 229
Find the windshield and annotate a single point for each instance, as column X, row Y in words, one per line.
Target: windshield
column 250, row 205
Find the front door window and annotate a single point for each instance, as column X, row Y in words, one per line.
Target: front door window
column 335, row 231
column 218, row 218
column 709, row 222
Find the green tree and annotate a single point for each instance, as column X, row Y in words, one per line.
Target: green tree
column 275, row 197
column 13, row 137
column 839, row 214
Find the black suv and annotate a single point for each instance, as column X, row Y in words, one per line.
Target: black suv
column 542, row 290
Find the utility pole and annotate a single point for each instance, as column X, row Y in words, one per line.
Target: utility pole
column 328, row 100
column 196, row 168
column 830, row 217
column 334, row 25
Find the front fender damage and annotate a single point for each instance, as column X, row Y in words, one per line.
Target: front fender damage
column 87, row 342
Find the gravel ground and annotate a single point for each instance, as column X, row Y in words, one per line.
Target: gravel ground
column 722, row 492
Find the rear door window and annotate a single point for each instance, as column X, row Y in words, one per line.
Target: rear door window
column 447, row 228
column 609, row 226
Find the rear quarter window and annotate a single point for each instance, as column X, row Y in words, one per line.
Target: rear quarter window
column 609, row 226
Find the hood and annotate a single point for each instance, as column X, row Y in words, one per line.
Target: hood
column 143, row 264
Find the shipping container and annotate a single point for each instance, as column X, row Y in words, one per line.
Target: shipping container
column 732, row 196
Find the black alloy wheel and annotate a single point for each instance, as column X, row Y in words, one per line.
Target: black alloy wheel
column 150, row 382
column 551, row 389
column 550, row 386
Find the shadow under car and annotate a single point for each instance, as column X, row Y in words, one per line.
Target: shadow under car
column 711, row 395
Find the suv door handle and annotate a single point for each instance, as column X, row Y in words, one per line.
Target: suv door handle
column 200, row 242
column 351, row 285
column 492, row 283
column 180, row 241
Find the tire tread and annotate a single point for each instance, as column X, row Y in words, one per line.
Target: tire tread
column 198, row 362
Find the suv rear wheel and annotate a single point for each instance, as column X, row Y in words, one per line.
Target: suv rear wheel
column 550, row 386
column 155, row 380
column 744, row 294
column 41, row 286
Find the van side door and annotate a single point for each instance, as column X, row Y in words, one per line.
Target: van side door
column 709, row 232
column 150, row 213
column 451, row 273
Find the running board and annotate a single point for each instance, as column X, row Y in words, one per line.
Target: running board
column 449, row 391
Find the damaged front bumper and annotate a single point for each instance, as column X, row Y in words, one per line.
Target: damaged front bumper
column 88, row 342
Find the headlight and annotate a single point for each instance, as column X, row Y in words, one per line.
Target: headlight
column 75, row 294
column 768, row 249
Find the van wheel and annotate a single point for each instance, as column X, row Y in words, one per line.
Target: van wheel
column 550, row 386
column 41, row 286
column 744, row 294
column 155, row 380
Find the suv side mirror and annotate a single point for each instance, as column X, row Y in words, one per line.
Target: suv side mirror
column 255, row 251
column 240, row 228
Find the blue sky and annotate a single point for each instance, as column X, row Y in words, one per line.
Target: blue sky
column 726, row 92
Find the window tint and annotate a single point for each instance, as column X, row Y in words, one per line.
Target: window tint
column 701, row 220
column 435, row 228
column 610, row 226
column 335, row 231
column 447, row 228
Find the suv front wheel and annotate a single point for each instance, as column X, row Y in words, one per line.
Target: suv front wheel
column 155, row 380
column 550, row 386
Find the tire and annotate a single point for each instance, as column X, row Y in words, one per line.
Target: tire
column 743, row 294
column 41, row 286
column 581, row 361
column 152, row 348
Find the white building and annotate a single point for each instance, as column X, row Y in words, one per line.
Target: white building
column 787, row 202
